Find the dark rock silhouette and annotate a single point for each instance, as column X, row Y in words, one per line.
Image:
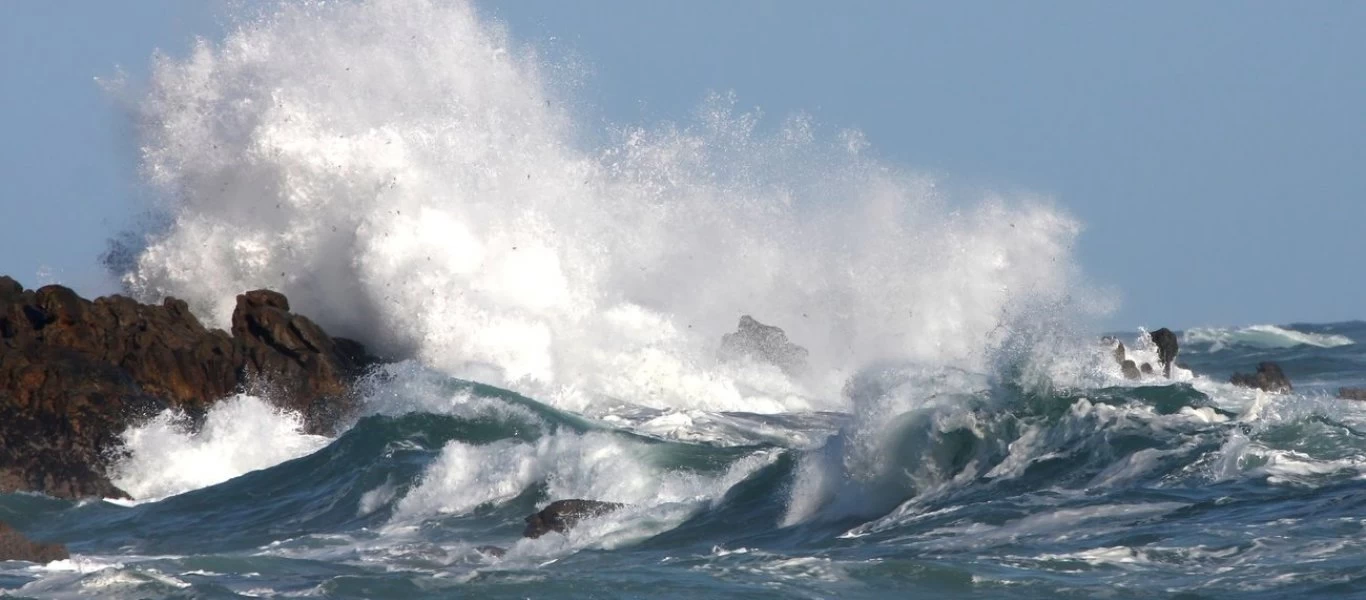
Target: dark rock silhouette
column 560, row 515
column 1146, row 369
column 1268, row 377
column 1167, row 348
column 763, row 342
column 15, row 546
column 1348, row 393
column 75, row 373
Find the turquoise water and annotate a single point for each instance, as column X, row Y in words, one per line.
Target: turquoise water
column 1187, row 489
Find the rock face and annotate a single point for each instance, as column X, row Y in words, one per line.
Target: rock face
column 1167, row 347
column 763, row 342
column 75, row 373
column 14, row 546
column 1352, row 393
column 560, row 515
column 1269, row 377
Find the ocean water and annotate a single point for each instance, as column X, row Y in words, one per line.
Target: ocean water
column 412, row 177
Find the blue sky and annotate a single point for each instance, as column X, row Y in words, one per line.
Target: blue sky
column 1213, row 151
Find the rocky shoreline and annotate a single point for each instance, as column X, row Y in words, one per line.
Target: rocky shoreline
column 75, row 373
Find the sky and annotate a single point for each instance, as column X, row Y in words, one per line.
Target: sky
column 1215, row 153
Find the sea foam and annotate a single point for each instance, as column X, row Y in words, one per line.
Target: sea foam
column 165, row 456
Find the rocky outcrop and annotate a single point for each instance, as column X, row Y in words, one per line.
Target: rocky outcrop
column 1130, row 369
column 15, row 546
column 1167, row 348
column 560, row 515
column 75, row 373
column 1127, row 367
column 1348, row 393
column 764, row 343
column 1268, row 377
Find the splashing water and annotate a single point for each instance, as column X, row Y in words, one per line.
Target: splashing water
column 240, row 434
column 409, row 176
column 398, row 170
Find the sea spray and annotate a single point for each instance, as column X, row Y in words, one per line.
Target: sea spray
column 403, row 172
column 166, row 456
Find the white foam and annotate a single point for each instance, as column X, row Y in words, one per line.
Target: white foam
column 406, row 175
column 592, row 466
column 239, row 435
column 1261, row 336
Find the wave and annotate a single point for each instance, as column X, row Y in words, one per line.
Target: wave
column 1260, row 336
column 169, row 455
column 409, row 176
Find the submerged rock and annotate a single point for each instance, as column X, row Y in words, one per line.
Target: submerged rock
column 560, row 515
column 15, row 546
column 1167, row 348
column 763, row 342
column 75, row 373
column 1269, row 377
column 494, row 551
column 1348, row 393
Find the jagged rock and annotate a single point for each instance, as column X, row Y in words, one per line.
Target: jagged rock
column 1130, row 369
column 15, row 546
column 75, row 373
column 1167, row 348
column 560, row 515
column 763, row 342
column 1348, row 393
column 1269, row 377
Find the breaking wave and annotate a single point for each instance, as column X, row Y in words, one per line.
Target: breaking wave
column 1260, row 336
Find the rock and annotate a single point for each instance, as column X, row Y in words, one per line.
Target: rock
column 75, row 373
column 560, row 515
column 1167, row 347
column 493, row 551
column 1269, row 377
column 1120, row 353
column 1129, row 369
column 1126, row 366
column 1146, row 369
column 15, row 546
column 1352, row 393
column 763, row 342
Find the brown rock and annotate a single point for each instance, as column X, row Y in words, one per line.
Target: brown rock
column 560, row 515
column 1129, row 369
column 14, row 546
column 1268, row 377
column 75, row 373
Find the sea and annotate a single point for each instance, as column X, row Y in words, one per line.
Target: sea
column 551, row 292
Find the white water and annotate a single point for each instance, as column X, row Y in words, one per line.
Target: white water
column 239, row 435
column 593, row 466
column 1260, row 336
column 404, row 173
